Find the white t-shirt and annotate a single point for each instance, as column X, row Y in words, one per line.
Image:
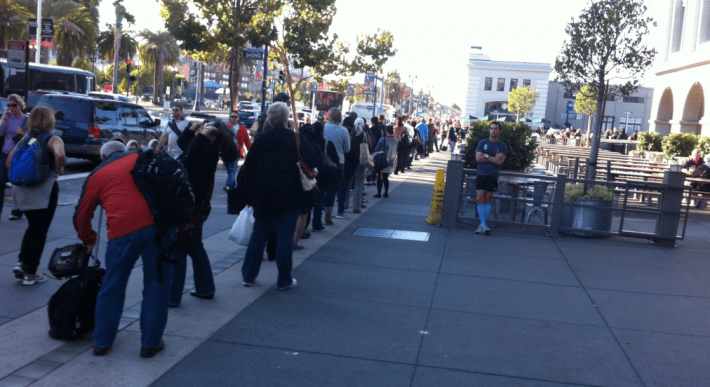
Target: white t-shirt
column 173, row 149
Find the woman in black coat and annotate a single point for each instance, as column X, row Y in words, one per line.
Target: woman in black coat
column 326, row 178
column 270, row 182
column 202, row 146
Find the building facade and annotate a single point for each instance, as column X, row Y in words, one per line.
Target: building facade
column 628, row 113
column 683, row 70
column 489, row 83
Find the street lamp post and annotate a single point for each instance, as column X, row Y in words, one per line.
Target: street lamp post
column 411, row 95
column 626, row 127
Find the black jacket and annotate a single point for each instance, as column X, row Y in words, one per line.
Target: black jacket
column 269, row 180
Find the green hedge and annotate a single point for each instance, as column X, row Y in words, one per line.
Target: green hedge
column 679, row 145
column 521, row 146
column 649, row 142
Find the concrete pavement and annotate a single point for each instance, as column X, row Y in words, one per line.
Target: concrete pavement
column 454, row 308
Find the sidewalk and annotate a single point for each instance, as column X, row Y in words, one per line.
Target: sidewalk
column 453, row 309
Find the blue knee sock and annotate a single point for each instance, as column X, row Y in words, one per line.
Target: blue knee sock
column 484, row 210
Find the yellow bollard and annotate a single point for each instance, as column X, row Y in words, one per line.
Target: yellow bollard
column 437, row 200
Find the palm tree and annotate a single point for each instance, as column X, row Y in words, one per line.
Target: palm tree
column 75, row 36
column 106, row 44
column 160, row 49
column 13, row 21
column 74, row 27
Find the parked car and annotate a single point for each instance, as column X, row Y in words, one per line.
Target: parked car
column 86, row 123
column 248, row 116
column 114, row 97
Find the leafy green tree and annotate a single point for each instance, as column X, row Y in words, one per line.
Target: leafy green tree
column 393, row 85
column 209, row 29
column 106, row 44
column 649, row 142
column 522, row 100
column 159, row 49
column 13, row 21
column 82, row 63
column 678, row 145
column 586, row 103
column 608, row 41
column 455, row 107
column 515, row 135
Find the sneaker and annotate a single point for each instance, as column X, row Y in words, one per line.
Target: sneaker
column 486, row 229
column 247, row 284
column 150, row 352
column 19, row 271
column 341, row 216
column 377, row 196
column 291, row 285
column 481, row 229
column 31, row 279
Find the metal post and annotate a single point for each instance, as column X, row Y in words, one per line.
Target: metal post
column 263, row 77
column 116, row 51
column 452, row 193
column 670, row 208
column 557, row 204
column 576, row 167
column 27, row 71
column 374, row 95
column 38, row 36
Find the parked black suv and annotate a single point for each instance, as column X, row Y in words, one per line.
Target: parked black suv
column 86, row 123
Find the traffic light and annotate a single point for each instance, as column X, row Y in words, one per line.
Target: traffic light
column 128, row 66
column 281, row 77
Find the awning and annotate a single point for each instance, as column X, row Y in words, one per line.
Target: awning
column 542, row 120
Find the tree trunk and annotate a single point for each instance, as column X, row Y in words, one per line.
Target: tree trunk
column 287, row 70
column 591, row 170
column 158, row 80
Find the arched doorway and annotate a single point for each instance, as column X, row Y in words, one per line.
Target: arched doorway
column 694, row 110
column 665, row 113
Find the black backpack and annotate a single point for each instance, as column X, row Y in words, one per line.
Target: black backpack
column 405, row 141
column 380, row 159
column 72, row 308
column 163, row 182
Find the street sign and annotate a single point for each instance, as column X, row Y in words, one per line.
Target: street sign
column 570, row 106
column 369, row 87
column 328, row 99
column 253, row 53
column 16, row 52
column 314, row 86
column 46, row 32
column 272, row 85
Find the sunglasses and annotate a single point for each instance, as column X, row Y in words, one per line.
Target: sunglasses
column 177, row 110
column 12, row 105
column 233, row 116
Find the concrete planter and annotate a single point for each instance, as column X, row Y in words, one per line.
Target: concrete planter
column 592, row 215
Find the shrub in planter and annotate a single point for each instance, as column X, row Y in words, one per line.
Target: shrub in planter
column 679, row 145
column 516, row 136
column 703, row 145
column 597, row 192
column 649, row 142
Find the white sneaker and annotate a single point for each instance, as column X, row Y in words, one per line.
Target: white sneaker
column 31, row 279
column 481, row 229
column 486, row 229
column 292, row 285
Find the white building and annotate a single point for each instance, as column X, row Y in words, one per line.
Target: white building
column 489, row 83
column 682, row 70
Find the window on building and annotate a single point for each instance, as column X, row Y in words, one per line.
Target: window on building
column 489, row 84
column 501, row 84
column 678, row 26
column 608, row 123
column 526, row 82
column 569, row 95
column 513, row 84
column 635, row 99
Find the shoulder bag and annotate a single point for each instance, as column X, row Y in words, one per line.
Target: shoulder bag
column 308, row 175
column 365, row 158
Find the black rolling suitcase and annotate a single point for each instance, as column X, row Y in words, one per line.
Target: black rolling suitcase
column 71, row 308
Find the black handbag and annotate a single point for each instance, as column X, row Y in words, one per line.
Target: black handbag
column 69, row 260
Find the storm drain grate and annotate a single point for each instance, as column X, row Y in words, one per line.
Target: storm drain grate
column 393, row 234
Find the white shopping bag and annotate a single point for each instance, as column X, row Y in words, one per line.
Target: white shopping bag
column 243, row 227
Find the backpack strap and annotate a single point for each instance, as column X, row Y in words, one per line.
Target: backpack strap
column 173, row 126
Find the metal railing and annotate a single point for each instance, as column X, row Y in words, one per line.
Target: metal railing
column 639, row 209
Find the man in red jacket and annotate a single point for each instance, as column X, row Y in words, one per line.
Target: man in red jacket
column 243, row 140
column 131, row 233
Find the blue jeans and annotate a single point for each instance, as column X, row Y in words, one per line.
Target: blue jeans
column 231, row 173
column 331, row 192
column 121, row 255
column 204, row 281
column 452, row 144
column 284, row 226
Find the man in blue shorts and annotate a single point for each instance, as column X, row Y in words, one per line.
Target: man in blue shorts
column 490, row 155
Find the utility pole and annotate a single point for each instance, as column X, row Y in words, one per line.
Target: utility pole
column 38, row 36
column 120, row 10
